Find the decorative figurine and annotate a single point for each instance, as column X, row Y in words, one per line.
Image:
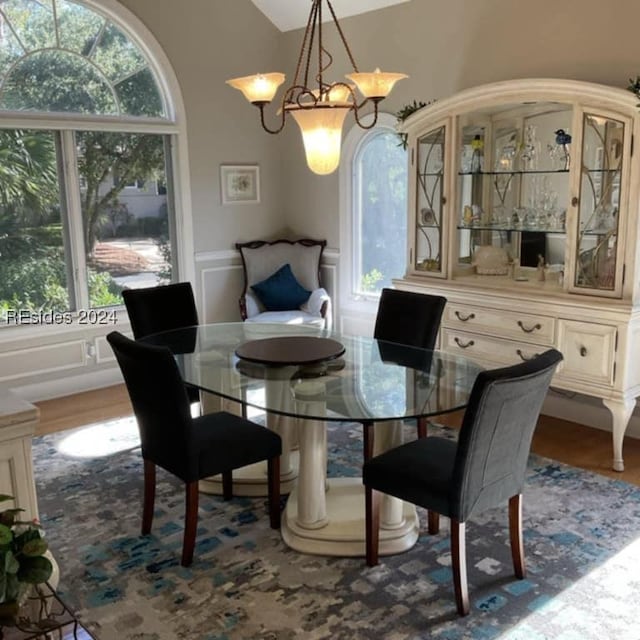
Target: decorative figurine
column 564, row 140
column 541, row 268
column 477, row 144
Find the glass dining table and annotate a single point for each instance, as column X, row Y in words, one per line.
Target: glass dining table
column 303, row 378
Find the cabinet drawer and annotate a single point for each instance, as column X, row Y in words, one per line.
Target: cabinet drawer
column 488, row 350
column 504, row 324
column 588, row 351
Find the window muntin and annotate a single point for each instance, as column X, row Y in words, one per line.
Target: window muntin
column 379, row 212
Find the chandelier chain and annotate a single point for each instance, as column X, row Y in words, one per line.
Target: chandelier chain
column 344, row 40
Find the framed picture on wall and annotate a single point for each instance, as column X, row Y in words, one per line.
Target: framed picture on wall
column 240, row 184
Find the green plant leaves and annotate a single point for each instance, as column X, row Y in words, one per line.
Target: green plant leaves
column 35, row 570
column 6, row 535
column 21, row 554
column 35, row 547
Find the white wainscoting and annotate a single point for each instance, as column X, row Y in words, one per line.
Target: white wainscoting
column 54, row 361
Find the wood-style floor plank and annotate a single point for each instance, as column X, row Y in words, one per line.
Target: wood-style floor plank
column 79, row 409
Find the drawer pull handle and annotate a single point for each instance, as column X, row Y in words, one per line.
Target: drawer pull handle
column 471, row 316
column 462, row 345
column 583, row 351
column 525, row 358
column 536, row 327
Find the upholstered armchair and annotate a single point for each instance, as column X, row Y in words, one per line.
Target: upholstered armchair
column 282, row 282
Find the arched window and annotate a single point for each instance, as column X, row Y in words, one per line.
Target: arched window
column 87, row 202
column 373, row 211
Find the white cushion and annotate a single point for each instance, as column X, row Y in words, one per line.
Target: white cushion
column 288, row 317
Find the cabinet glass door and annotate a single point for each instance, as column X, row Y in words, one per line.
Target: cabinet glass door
column 597, row 262
column 429, row 202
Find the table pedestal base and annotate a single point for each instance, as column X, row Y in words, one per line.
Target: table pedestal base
column 251, row 481
column 343, row 531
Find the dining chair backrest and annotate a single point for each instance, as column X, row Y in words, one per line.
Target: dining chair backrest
column 496, row 433
column 409, row 318
column 162, row 308
column 160, row 402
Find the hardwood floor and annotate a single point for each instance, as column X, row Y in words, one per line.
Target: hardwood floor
column 567, row 442
column 83, row 408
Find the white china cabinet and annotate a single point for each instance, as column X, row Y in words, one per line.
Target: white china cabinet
column 523, row 212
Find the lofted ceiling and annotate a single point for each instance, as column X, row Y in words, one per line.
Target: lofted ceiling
column 293, row 14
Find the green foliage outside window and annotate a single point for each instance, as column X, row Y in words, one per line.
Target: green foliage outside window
column 382, row 186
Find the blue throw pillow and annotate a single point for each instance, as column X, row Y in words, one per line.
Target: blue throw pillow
column 281, row 291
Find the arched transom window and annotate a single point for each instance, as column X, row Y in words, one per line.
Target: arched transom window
column 61, row 56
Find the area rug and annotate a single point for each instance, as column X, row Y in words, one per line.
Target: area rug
column 582, row 543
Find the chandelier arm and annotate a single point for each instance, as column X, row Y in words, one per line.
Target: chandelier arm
column 261, row 106
column 356, row 109
column 344, row 40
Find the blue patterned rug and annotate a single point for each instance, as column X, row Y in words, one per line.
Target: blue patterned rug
column 582, row 544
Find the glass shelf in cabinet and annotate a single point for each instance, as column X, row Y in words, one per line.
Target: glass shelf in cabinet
column 505, row 227
column 512, row 173
column 599, row 232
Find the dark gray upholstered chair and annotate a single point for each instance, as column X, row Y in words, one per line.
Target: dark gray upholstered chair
column 163, row 308
column 483, row 469
column 189, row 448
column 411, row 319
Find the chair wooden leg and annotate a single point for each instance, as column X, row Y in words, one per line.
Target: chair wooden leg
column 459, row 565
column 515, row 535
column 433, row 520
column 149, row 496
column 190, row 522
column 367, row 433
column 273, row 475
column 372, row 524
column 227, row 485
column 422, row 427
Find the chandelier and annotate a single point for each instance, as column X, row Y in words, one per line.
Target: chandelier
column 319, row 110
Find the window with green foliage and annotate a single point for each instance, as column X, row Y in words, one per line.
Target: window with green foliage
column 72, row 236
column 379, row 211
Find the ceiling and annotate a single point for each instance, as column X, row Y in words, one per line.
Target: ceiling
column 293, row 14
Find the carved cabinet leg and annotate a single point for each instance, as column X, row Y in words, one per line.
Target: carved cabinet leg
column 620, row 414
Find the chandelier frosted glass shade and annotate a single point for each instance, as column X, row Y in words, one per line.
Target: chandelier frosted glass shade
column 259, row 88
column 376, row 85
column 321, row 129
